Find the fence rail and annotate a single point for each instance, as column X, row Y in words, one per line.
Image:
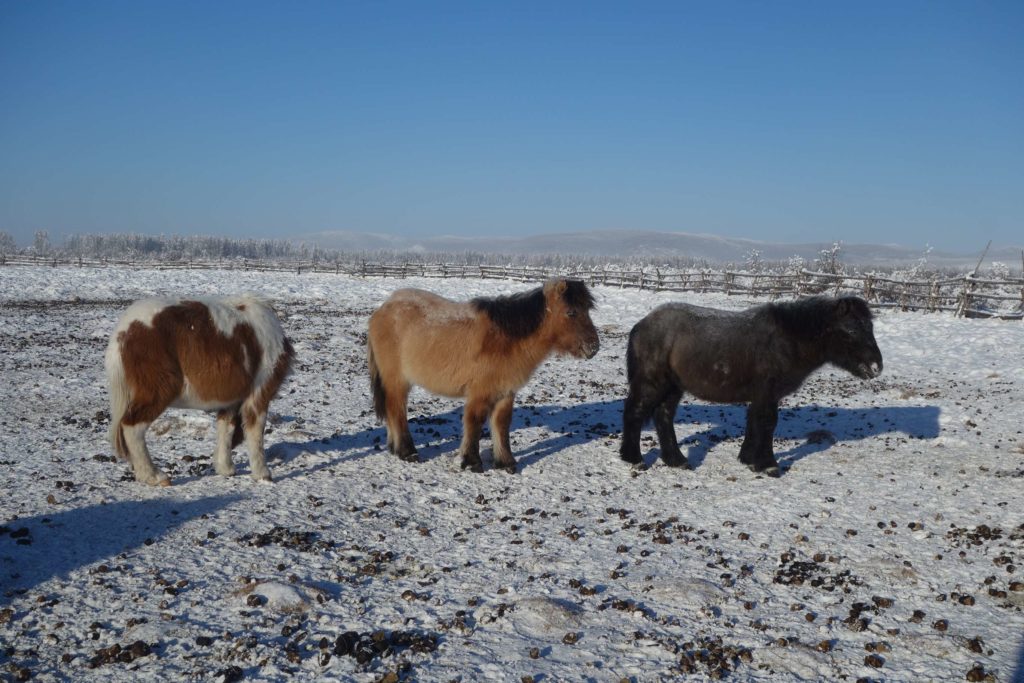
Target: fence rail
column 966, row 295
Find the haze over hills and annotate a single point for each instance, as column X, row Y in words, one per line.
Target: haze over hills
column 647, row 245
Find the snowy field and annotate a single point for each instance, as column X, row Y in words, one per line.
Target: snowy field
column 890, row 549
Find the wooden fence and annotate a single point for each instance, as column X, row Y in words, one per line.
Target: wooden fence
column 965, row 295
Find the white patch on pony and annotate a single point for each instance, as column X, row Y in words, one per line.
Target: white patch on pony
column 142, row 311
column 247, row 362
column 224, row 314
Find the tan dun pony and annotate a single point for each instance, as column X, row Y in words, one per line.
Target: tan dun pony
column 484, row 350
column 223, row 355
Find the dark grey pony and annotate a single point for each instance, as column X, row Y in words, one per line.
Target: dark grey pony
column 756, row 356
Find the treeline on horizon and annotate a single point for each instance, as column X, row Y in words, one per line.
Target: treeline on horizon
column 135, row 247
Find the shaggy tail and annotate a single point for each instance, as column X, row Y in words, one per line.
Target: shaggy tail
column 379, row 397
column 120, row 397
column 631, row 355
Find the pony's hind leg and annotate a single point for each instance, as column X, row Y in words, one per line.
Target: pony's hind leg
column 142, row 464
column 756, row 451
column 664, row 423
column 229, row 435
column 501, row 419
column 253, row 422
column 399, row 438
column 473, row 417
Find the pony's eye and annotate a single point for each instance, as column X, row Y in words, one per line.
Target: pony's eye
column 571, row 313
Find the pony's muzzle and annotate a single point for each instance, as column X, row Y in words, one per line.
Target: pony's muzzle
column 871, row 370
column 590, row 349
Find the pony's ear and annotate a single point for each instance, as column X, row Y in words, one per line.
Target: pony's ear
column 843, row 307
column 559, row 286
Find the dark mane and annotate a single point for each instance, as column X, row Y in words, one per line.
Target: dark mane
column 811, row 316
column 577, row 295
column 518, row 315
column 804, row 317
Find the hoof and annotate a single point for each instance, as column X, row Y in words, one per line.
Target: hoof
column 680, row 462
column 632, row 458
column 157, row 479
column 510, row 468
column 771, row 470
column 227, row 472
column 263, row 477
column 404, row 450
column 473, row 465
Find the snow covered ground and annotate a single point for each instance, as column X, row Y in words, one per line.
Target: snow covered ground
column 891, row 548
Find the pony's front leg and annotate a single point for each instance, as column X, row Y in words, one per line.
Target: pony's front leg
column 472, row 421
column 227, row 424
column 142, row 464
column 756, row 451
column 501, row 419
column 254, row 422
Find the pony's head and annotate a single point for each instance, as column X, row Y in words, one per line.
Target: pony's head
column 851, row 339
column 567, row 317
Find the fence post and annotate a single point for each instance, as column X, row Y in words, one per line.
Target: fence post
column 965, row 297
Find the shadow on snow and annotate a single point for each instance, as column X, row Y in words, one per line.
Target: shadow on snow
column 36, row 549
column 700, row 426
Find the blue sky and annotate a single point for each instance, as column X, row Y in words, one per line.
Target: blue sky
column 893, row 122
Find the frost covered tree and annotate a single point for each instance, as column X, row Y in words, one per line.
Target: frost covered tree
column 1000, row 271
column 41, row 243
column 7, row 244
column 753, row 261
column 828, row 260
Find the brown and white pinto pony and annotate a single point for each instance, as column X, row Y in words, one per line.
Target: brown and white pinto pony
column 484, row 350
column 227, row 355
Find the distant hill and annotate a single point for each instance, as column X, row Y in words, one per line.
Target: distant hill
column 640, row 244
